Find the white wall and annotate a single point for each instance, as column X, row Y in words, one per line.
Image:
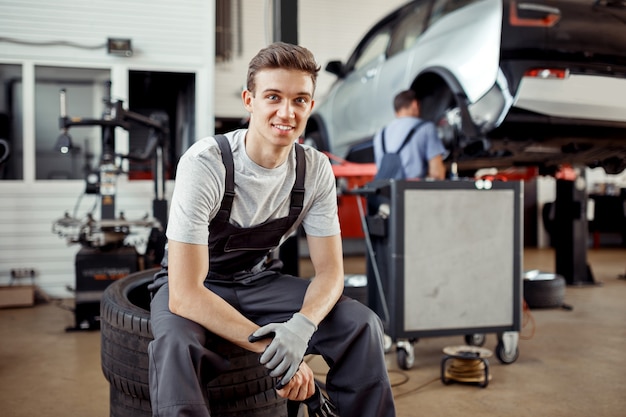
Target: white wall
column 27, row 214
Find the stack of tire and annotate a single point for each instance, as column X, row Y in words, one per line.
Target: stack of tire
column 543, row 289
column 244, row 390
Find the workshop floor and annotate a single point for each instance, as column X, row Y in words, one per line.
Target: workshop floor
column 572, row 362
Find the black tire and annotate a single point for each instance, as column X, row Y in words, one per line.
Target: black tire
column 437, row 102
column 505, row 357
column 402, row 359
column 244, row 389
column 126, row 333
column 314, row 140
column 122, row 405
column 544, row 293
column 265, row 404
column 245, row 378
column 405, row 359
column 475, row 339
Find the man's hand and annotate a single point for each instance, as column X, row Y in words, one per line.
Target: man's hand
column 285, row 352
column 301, row 386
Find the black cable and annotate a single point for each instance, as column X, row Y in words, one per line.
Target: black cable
column 414, row 390
column 403, row 381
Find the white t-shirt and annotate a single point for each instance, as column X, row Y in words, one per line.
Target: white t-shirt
column 261, row 194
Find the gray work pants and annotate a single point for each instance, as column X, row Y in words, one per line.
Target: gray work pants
column 350, row 340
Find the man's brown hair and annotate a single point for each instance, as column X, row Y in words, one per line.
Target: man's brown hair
column 282, row 55
column 404, row 99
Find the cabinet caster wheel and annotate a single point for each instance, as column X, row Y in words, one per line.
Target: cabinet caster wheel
column 405, row 354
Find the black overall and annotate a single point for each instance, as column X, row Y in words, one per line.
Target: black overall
column 350, row 339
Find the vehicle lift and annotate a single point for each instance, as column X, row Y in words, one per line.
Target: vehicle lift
column 571, row 231
column 106, row 255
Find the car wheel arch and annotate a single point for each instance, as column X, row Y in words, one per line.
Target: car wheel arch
column 315, row 133
column 440, row 76
column 429, row 83
column 440, row 92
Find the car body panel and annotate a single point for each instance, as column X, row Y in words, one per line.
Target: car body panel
column 575, row 97
column 351, row 101
column 589, row 41
column 470, row 51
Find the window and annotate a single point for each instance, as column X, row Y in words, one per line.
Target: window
column 443, row 7
column 11, row 143
column 85, row 90
column 408, row 29
column 87, row 98
column 168, row 93
column 228, row 37
column 374, row 48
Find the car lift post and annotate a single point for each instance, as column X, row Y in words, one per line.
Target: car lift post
column 571, row 232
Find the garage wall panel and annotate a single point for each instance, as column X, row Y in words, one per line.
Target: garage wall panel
column 27, row 214
column 161, row 31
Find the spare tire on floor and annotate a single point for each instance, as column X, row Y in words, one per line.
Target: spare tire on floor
column 543, row 289
column 245, row 389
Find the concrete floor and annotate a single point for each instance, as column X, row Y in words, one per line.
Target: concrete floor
column 571, row 363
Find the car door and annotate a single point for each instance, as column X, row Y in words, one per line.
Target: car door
column 393, row 74
column 354, row 98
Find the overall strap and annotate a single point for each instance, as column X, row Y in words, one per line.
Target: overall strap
column 297, row 192
column 382, row 141
column 406, row 139
column 229, row 186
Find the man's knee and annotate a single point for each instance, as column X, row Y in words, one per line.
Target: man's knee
column 178, row 336
column 355, row 316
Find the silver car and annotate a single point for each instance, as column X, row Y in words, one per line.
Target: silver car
column 538, row 82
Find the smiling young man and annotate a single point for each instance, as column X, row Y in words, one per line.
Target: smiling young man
column 219, row 277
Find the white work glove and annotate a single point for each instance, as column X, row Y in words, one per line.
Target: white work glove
column 286, row 350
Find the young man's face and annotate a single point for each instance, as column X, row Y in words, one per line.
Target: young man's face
column 280, row 105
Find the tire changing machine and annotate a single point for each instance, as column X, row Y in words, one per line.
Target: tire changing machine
column 106, row 254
